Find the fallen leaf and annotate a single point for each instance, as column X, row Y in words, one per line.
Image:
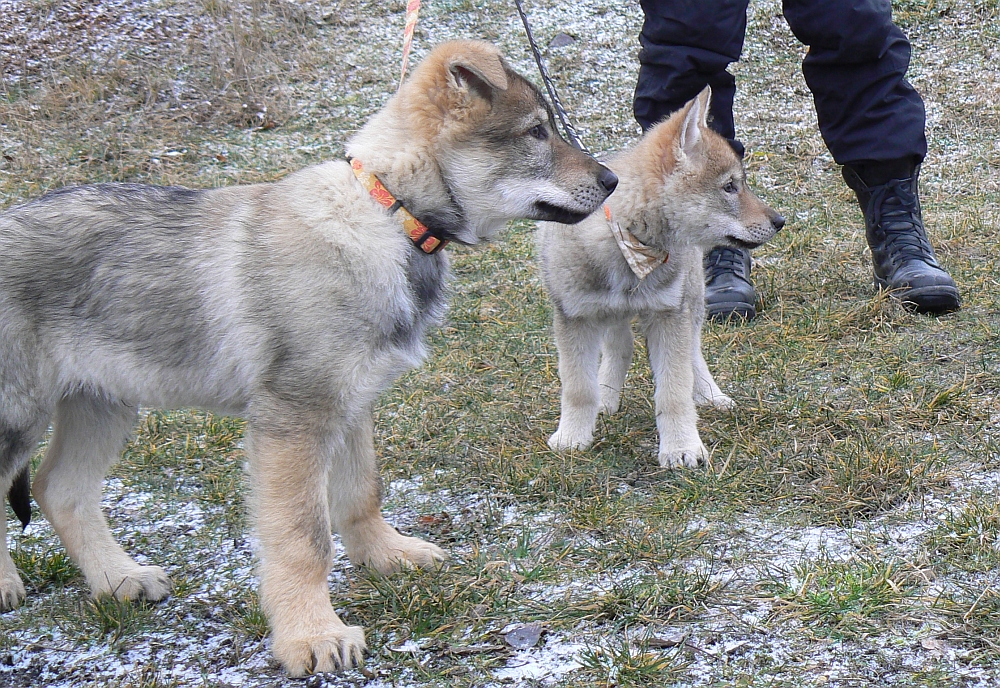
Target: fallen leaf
column 934, row 645
column 434, row 519
column 473, row 650
column 670, row 640
column 523, row 637
column 733, row 647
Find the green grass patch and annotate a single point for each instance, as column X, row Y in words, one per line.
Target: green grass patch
column 845, row 599
column 972, row 617
column 44, row 569
column 969, row 539
column 620, row 662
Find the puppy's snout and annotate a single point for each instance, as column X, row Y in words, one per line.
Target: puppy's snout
column 777, row 222
column 608, row 179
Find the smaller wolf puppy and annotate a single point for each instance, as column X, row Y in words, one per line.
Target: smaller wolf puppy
column 682, row 190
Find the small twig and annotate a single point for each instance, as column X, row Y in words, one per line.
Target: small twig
column 43, row 646
column 691, row 646
column 473, row 650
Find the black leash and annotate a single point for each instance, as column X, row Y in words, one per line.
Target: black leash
column 571, row 135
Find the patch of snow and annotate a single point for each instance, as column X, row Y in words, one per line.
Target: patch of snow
column 547, row 663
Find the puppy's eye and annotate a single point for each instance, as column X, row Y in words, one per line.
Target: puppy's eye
column 730, row 187
column 539, row 132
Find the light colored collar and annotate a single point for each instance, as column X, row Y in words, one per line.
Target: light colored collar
column 425, row 239
column 641, row 258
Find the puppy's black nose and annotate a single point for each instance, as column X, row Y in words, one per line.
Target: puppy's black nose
column 777, row 222
column 608, row 179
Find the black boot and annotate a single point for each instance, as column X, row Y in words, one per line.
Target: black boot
column 728, row 290
column 901, row 253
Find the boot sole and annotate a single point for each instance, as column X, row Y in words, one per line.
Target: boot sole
column 932, row 300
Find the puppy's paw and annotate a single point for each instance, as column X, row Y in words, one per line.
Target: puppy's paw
column 11, row 591
column 135, row 583
column 611, row 397
column 397, row 552
column 564, row 440
column 684, row 457
column 609, row 404
column 718, row 400
column 335, row 648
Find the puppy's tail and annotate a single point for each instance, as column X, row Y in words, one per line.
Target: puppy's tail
column 19, row 496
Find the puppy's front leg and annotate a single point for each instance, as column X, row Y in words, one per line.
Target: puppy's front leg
column 669, row 340
column 706, row 391
column 355, row 506
column 289, row 465
column 579, row 344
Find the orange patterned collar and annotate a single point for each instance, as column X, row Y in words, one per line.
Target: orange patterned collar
column 418, row 232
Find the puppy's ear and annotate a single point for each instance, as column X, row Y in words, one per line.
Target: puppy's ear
column 478, row 70
column 695, row 119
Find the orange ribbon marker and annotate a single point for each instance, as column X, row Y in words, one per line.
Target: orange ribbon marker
column 641, row 259
column 412, row 9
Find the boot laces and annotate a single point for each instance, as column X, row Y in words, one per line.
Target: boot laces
column 723, row 260
column 893, row 207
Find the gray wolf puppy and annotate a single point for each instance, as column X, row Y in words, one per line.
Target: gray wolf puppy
column 682, row 191
column 293, row 304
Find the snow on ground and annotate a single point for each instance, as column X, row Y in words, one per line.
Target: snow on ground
column 741, row 638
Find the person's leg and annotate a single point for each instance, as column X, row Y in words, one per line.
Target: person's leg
column 686, row 46
column 872, row 120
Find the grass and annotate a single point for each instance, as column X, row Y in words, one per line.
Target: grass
column 113, row 620
column 645, row 599
column 971, row 618
column 620, row 662
column 248, row 618
column 42, row 569
column 845, row 523
column 845, row 599
column 970, row 538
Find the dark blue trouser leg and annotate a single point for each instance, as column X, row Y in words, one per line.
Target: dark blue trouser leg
column 856, row 69
column 687, row 45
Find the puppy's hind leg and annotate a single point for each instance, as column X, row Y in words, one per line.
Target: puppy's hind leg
column 616, row 357
column 15, row 453
column 88, row 436
column 579, row 343
column 355, row 506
